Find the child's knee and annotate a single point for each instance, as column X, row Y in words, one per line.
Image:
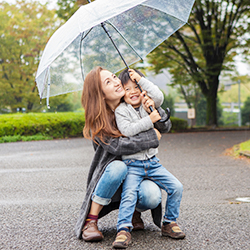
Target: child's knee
column 178, row 187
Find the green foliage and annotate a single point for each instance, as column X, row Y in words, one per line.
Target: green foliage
column 46, row 126
column 201, row 112
column 232, row 95
column 200, row 51
column 230, row 118
column 16, row 138
column 25, row 28
column 65, row 103
column 245, row 111
column 68, row 7
column 178, row 124
column 168, row 103
column 56, row 125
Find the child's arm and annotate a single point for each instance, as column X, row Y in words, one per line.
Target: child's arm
column 162, row 127
column 126, row 124
column 152, row 90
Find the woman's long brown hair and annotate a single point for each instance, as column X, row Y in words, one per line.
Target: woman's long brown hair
column 99, row 118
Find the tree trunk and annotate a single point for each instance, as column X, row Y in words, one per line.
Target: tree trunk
column 212, row 102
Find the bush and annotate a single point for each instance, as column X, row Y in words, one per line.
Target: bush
column 245, row 112
column 56, row 125
column 178, row 124
column 45, row 126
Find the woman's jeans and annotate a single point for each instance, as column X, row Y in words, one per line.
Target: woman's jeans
column 148, row 196
column 153, row 170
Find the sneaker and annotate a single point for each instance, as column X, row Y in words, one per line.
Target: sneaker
column 137, row 222
column 122, row 240
column 172, row 230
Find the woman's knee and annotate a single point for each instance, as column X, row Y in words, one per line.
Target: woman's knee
column 117, row 169
column 149, row 195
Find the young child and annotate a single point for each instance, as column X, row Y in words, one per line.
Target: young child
column 131, row 119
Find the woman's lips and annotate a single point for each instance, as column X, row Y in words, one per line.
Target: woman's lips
column 119, row 89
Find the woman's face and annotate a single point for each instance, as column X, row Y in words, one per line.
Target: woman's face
column 112, row 88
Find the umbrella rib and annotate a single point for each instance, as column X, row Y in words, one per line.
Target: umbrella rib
column 86, row 34
column 124, row 38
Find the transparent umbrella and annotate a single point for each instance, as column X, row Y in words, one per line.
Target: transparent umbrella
column 113, row 34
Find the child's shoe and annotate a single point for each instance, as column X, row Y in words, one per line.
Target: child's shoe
column 122, row 240
column 172, row 230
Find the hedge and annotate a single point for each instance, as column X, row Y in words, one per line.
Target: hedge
column 56, row 125
column 178, row 124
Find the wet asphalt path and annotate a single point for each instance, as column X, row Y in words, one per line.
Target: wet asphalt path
column 42, row 185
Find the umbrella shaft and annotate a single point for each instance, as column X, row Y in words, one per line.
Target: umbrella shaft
column 110, row 37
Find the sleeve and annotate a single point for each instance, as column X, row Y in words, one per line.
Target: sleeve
column 130, row 145
column 163, row 127
column 128, row 127
column 152, row 91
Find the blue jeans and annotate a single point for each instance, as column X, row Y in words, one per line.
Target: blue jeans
column 150, row 169
column 148, row 196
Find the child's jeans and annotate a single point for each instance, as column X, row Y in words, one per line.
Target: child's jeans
column 150, row 169
column 149, row 195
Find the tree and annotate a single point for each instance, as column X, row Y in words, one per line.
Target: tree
column 200, row 111
column 68, row 7
column 203, row 49
column 25, row 28
column 168, row 103
column 245, row 112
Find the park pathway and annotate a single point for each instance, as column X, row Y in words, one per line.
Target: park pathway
column 42, row 185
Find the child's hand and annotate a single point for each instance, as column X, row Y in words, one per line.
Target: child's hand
column 134, row 75
column 147, row 102
column 154, row 116
column 158, row 134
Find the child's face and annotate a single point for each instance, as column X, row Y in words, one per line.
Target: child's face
column 132, row 94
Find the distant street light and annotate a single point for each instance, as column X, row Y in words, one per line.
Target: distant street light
column 239, row 115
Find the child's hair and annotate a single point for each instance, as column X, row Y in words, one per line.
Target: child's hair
column 124, row 76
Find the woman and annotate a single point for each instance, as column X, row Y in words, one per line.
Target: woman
column 102, row 93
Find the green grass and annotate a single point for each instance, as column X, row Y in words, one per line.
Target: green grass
column 242, row 147
column 15, row 138
column 245, row 146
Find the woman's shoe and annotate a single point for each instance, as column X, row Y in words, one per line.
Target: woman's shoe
column 91, row 233
column 137, row 222
column 122, row 240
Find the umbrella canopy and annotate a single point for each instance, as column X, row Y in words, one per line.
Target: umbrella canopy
column 136, row 27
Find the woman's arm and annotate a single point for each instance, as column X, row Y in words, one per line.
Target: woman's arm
column 131, row 145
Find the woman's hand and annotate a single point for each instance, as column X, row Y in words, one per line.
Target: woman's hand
column 134, row 75
column 158, row 134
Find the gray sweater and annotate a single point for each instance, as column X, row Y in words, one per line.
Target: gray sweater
column 131, row 122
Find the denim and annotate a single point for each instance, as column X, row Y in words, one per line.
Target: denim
column 150, row 169
column 149, row 195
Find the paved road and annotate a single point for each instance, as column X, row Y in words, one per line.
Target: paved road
column 42, row 185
